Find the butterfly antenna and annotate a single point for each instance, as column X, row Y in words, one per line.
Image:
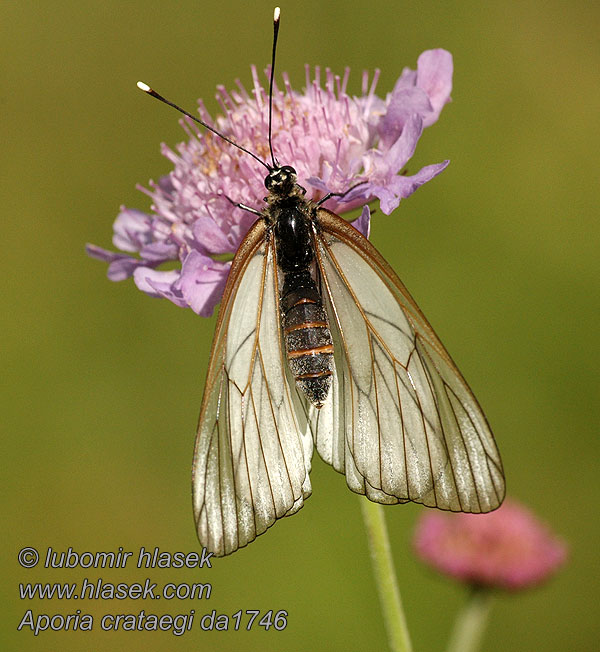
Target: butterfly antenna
column 150, row 91
column 276, row 14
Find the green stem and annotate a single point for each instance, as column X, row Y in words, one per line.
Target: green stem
column 470, row 622
column 385, row 577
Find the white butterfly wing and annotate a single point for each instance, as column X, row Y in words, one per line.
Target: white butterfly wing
column 401, row 422
column 252, row 455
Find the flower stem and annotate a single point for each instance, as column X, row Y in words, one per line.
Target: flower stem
column 385, row 577
column 470, row 622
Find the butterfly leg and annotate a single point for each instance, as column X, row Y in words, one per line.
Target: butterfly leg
column 242, row 206
column 329, row 195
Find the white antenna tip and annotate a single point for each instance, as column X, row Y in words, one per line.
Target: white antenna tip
column 143, row 87
column 276, row 14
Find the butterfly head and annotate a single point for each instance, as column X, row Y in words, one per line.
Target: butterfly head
column 281, row 180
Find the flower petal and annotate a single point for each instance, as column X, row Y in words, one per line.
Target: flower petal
column 400, row 187
column 404, row 102
column 363, row 223
column 202, row 282
column 121, row 266
column 210, row 237
column 434, row 76
column 402, row 150
column 132, row 229
column 159, row 252
column 102, row 254
column 160, row 284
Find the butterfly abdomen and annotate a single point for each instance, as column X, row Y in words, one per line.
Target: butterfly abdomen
column 304, row 321
column 307, row 336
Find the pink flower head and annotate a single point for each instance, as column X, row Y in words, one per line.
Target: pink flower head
column 509, row 548
column 332, row 139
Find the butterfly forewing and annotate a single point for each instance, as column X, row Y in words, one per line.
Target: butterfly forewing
column 252, row 459
column 409, row 422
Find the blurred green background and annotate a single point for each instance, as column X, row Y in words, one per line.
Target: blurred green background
column 102, row 385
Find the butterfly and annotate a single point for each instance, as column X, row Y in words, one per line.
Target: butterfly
column 318, row 344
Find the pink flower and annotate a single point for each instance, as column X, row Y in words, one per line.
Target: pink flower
column 509, row 548
column 332, row 139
